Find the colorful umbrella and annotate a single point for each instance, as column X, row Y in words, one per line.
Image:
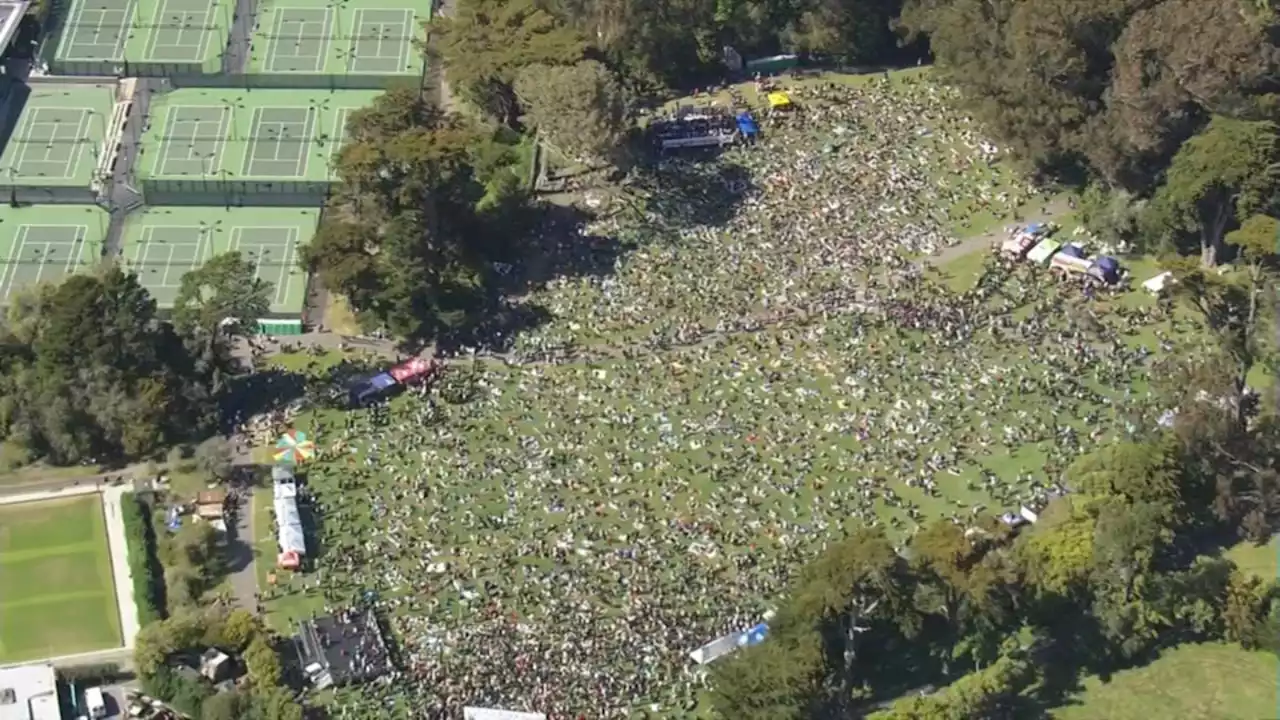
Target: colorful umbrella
column 293, row 448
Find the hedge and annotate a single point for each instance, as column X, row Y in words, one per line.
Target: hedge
column 96, row 673
column 144, row 563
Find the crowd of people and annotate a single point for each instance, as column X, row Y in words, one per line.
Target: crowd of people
column 560, row 537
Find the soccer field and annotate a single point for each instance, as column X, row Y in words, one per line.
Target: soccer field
column 55, row 568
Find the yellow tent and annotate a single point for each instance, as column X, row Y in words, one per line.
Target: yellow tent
column 779, row 100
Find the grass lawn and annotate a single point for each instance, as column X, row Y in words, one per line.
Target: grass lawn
column 58, row 595
column 1206, row 682
column 42, row 473
column 1260, row 560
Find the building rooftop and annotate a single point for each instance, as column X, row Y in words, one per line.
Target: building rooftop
column 29, row 692
column 343, row 648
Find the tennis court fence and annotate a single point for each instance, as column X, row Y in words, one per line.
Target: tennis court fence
column 235, row 193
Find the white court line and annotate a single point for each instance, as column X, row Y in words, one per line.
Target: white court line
column 406, row 43
column 257, row 126
column 304, row 157
column 325, row 38
column 166, row 138
column 11, row 268
column 77, row 245
column 286, row 274
column 73, row 158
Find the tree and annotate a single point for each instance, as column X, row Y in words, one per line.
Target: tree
column 222, row 298
column 988, row 693
column 1057, row 553
column 485, row 43
column 224, row 706
column 103, row 377
column 856, row 584
column 1139, row 472
column 771, row 681
column 1216, row 179
column 241, row 628
column 580, row 110
column 261, row 663
column 213, row 456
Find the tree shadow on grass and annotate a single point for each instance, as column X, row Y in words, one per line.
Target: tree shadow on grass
column 693, row 190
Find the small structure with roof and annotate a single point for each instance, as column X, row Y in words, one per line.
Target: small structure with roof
column 345, row 648
column 289, row 535
column 29, row 692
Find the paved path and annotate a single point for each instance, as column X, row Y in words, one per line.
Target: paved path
column 117, row 546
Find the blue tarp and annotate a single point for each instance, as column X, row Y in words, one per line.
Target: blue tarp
column 747, row 125
column 382, row 381
column 1073, row 250
column 1034, row 228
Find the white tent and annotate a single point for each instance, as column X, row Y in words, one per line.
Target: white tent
column 288, row 520
column 1157, row 284
column 474, row 713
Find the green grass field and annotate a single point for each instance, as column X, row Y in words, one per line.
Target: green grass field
column 58, row 594
column 1260, row 560
column 1206, row 682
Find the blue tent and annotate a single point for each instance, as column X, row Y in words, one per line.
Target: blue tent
column 382, row 381
column 747, row 125
column 1110, row 268
column 1074, row 251
column 1034, row 228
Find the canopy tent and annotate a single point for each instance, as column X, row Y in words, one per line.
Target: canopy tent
column 727, row 644
column 1073, row 250
column 293, row 448
column 1041, row 253
column 747, row 125
column 1070, row 264
column 412, row 370
column 779, row 100
column 289, row 533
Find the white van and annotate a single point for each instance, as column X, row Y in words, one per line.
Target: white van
column 95, row 703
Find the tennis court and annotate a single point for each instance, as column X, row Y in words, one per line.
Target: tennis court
column 223, row 138
column 58, row 138
column 374, row 38
column 194, row 140
column 164, row 243
column 47, row 244
column 180, row 31
column 153, row 37
column 282, row 140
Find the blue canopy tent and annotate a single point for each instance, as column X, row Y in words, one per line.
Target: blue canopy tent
column 1110, row 268
column 1073, row 250
column 747, row 126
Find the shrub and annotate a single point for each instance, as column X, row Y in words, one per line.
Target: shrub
column 92, row 674
column 144, row 563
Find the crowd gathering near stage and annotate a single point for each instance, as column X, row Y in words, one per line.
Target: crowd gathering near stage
column 560, row 539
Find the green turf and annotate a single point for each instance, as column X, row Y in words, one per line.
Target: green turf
column 378, row 38
column 225, row 136
column 163, row 243
column 59, row 596
column 1261, row 560
column 59, row 137
column 1206, row 682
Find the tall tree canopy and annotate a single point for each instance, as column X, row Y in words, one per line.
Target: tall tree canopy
column 99, row 376
column 580, row 110
column 422, row 192
column 485, row 43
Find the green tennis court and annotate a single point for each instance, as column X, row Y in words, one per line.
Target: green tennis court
column 282, row 139
column 97, row 30
column 50, row 143
column 374, row 38
column 47, row 244
column 150, row 37
column 161, row 244
column 381, row 42
column 181, row 31
column 194, row 140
